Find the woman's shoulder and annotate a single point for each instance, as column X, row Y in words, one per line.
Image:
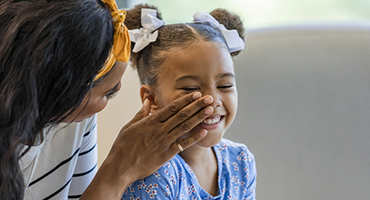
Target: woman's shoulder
column 75, row 129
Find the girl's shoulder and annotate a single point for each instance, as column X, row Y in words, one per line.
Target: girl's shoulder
column 228, row 151
column 226, row 145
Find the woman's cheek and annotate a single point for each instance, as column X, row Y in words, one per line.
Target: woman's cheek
column 102, row 104
column 96, row 105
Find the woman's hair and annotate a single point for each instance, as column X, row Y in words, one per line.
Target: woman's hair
column 148, row 60
column 50, row 52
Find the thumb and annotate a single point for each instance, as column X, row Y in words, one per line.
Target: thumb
column 142, row 113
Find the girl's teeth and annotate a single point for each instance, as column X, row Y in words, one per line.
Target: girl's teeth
column 211, row 121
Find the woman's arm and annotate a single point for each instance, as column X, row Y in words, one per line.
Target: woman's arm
column 146, row 143
column 87, row 160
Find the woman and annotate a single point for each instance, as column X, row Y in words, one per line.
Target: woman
column 54, row 70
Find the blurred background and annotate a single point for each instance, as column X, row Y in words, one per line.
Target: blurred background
column 304, row 92
column 263, row 13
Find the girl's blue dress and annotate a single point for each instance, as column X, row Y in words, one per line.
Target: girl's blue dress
column 175, row 180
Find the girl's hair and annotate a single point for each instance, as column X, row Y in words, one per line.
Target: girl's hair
column 148, row 60
column 50, row 52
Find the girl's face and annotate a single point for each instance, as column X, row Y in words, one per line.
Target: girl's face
column 206, row 67
column 100, row 95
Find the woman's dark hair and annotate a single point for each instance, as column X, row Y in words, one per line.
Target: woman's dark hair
column 148, row 60
column 50, row 52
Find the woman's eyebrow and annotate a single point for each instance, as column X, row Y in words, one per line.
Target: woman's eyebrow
column 114, row 87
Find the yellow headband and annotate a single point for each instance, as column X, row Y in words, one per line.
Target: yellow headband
column 121, row 40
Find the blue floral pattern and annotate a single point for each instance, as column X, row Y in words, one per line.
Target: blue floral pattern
column 175, row 180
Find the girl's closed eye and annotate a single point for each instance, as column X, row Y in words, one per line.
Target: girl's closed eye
column 190, row 89
column 225, row 86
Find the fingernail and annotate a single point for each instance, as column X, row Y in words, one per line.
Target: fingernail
column 208, row 110
column 208, row 100
column 145, row 102
column 203, row 133
column 197, row 95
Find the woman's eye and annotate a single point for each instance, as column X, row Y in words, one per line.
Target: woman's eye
column 112, row 93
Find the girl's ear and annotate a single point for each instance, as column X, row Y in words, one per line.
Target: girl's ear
column 146, row 92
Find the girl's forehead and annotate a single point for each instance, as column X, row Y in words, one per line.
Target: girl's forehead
column 198, row 58
column 195, row 50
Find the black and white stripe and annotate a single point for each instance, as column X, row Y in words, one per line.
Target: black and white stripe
column 67, row 162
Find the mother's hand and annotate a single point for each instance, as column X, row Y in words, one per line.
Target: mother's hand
column 147, row 142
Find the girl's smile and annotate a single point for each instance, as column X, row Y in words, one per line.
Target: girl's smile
column 211, row 123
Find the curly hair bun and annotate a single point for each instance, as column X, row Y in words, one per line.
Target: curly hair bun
column 230, row 21
column 133, row 18
column 133, row 21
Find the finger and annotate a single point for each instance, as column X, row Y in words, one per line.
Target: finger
column 175, row 106
column 187, row 142
column 196, row 111
column 142, row 113
column 189, row 124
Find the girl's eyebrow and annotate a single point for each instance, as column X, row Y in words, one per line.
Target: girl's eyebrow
column 194, row 77
column 226, row 75
column 187, row 77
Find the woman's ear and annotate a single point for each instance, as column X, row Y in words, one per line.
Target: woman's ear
column 146, row 92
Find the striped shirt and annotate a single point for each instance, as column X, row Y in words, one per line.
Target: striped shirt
column 63, row 164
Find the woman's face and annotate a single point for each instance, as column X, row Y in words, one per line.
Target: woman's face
column 100, row 95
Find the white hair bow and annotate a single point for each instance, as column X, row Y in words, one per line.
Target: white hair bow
column 233, row 41
column 143, row 36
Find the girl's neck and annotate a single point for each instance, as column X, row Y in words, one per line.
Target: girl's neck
column 203, row 163
column 197, row 155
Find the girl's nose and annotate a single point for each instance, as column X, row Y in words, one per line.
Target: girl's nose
column 216, row 99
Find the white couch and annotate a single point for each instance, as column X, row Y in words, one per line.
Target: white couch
column 304, row 110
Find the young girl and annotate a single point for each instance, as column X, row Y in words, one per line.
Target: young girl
column 178, row 59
